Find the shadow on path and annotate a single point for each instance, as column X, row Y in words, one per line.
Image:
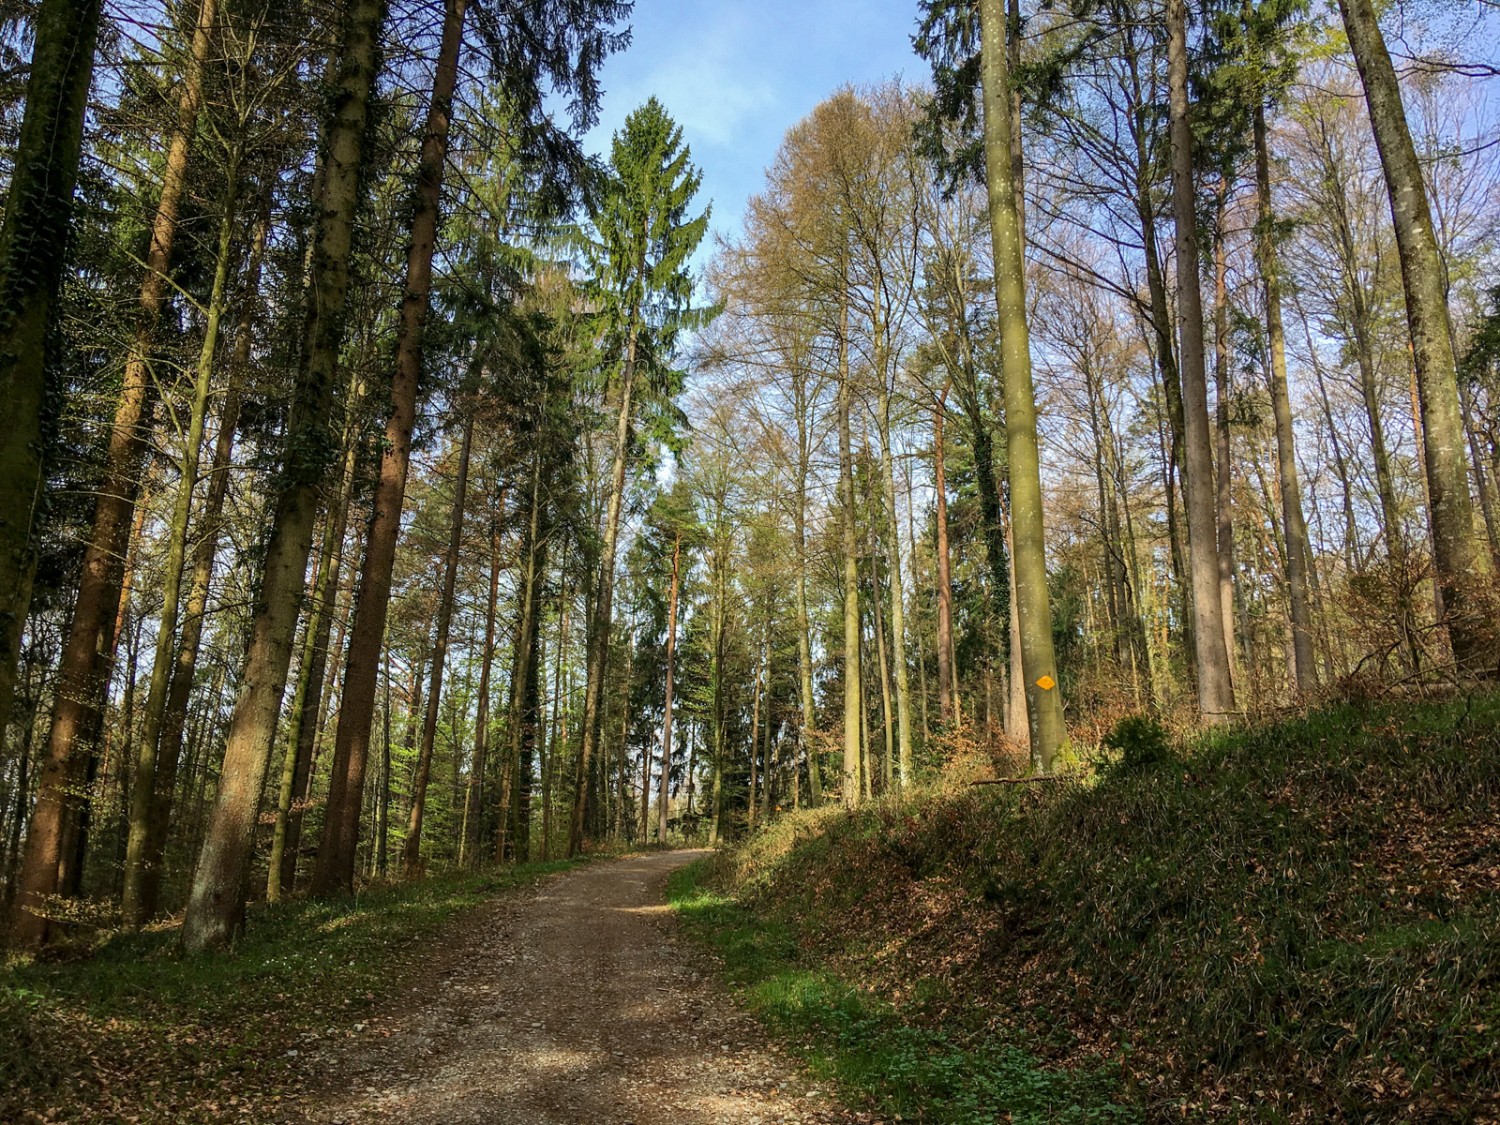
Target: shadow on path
column 576, row 1004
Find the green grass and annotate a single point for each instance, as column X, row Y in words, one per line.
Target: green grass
column 868, row 1050
column 1299, row 921
column 141, row 1032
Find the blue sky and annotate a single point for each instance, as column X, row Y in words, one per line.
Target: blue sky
column 737, row 74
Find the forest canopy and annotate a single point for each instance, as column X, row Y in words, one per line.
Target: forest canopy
column 386, row 482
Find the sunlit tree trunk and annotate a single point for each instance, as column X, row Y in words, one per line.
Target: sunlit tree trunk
column 947, row 695
column 882, row 676
column 474, row 794
column 307, row 698
column 1215, row 689
column 1043, row 696
column 38, row 216
column 334, row 871
column 601, row 620
column 1463, row 566
column 216, row 905
column 82, row 674
column 195, row 612
column 850, row 544
column 143, row 785
column 525, row 721
column 1297, row 550
column 1224, row 492
column 898, row 596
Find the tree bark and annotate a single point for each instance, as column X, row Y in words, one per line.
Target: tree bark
column 411, row 854
column 1463, row 566
column 185, row 663
column 474, row 797
column 666, row 723
column 898, row 599
column 1043, row 695
column 602, row 619
column 38, row 217
column 526, row 681
column 1215, row 689
column 804, row 628
column 334, row 870
column 1224, row 490
column 216, row 906
column 1297, row 550
column 307, row 698
column 850, row 546
column 946, row 693
column 143, row 785
column 83, row 675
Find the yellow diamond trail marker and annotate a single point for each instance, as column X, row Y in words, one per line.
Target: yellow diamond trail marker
column 1046, row 683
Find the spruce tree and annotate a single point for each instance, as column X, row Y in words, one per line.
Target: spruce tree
column 638, row 258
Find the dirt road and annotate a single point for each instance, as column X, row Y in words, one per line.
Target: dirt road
column 575, row 1004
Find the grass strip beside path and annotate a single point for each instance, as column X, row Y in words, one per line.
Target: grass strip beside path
column 867, row 1050
column 141, row 1033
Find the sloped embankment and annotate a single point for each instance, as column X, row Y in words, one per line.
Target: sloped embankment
column 1298, row 922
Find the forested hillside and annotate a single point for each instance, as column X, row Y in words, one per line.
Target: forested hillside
column 401, row 474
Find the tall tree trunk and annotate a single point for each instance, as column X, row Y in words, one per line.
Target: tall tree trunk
column 38, row 217
column 334, row 870
column 757, row 693
column 1215, row 689
column 383, row 790
column 803, row 406
column 307, row 699
column 1297, row 549
column 850, row 545
column 195, row 612
column 946, row 692
column 216, row 906
column 143, row 785
column 1224, row 491
column 83, row 675
column 526, row 681
column 882, row 675
column 666, row 723
column 769, row 771
column 898, row 597
column 1164, row 345
column 1043, row 696
column 602, row 618
column 474, row 796
column 1361, row 330
column 1340, row 459
column 1482, row 483
column 987, row 483
column 716, row 671
column 1463, row 566
column 561, row 693
column 411, row 854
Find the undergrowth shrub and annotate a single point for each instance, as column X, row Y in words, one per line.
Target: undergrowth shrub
column 1138, row 743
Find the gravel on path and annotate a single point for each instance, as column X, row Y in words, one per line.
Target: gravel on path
column 574, row 1004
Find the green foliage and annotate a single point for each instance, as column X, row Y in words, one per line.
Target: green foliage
column 637, row 258
column 868, row 1048
column 1140, row 743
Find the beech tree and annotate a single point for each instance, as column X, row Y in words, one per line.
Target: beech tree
column 1464, row 568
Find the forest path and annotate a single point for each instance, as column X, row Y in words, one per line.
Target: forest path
column 574, row 1004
